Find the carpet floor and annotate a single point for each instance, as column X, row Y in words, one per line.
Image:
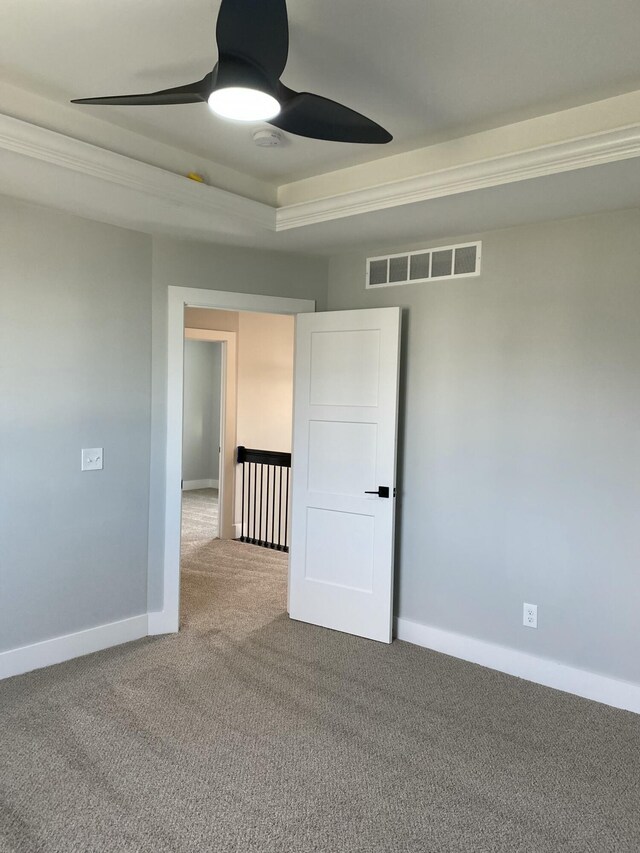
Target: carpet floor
column 250, row 733
column 199, row 515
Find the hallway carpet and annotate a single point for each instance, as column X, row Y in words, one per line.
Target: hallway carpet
column 199, row 515
column 250, row 733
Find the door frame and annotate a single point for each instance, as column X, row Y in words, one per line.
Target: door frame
column 228, row 376
column 168, row 619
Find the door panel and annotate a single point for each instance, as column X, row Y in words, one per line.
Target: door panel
column 341, row 457
column 344, row 445
column 333, row 538
column 331, row 385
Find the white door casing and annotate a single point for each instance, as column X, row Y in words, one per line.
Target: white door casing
column 344, row 445
column 167, row 620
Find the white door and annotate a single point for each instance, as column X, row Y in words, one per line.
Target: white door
column 344, row 450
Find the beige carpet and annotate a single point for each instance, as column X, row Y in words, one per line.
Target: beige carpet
column 199, row 515
column 249, row 733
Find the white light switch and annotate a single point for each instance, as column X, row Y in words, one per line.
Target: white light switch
column 92, row 459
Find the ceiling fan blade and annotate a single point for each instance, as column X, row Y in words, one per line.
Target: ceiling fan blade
column 256, row 31
column 192, row 93
column 319, row 118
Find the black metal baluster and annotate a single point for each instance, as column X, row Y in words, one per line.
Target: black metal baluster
column 255, row 495
column 267, row 541
column 273, row 511
column 279, row 509
column 242, row 507
column 286, row 516
column 260, row 506
column 266, row 507
column 255, row 503
column 248, row 464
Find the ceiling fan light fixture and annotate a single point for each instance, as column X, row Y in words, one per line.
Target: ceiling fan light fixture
column 243, row 104
column 245, row 86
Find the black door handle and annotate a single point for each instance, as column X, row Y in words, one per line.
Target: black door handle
column 381, row 492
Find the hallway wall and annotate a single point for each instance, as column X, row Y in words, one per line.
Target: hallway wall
column 201, row 428
column 265, row 381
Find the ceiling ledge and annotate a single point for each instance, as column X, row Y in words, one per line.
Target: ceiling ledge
column 578, row 153
column 55, row 170
column 213, row 205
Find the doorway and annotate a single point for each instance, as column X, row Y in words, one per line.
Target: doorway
column 179, row 299
column 245, row 576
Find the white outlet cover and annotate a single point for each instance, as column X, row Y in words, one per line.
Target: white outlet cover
column 92, row 459
column 530, row 615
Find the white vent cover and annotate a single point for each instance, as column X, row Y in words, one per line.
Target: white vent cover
column 461, row 261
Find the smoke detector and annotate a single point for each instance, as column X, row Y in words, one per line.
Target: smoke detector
column 267, row 138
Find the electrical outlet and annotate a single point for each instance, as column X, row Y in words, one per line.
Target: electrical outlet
column 530, row 615
column 92, row 459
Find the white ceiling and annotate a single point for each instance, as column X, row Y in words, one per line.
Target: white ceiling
column 425, row 70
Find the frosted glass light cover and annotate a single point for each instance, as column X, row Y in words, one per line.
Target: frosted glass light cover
column 241, row 104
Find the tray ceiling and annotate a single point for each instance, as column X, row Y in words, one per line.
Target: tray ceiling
column 427, row 71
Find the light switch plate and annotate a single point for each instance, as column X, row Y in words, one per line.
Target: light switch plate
column 92, row 459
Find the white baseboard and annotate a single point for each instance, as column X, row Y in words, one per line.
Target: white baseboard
column 58, row 649
column 237, row 531
column 580, row 682
column 188, row 485
column 161, row 622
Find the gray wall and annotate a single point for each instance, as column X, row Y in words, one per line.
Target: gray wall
column 520, row 447
column 82, row 364
column 75, row 371
column 201, row 427
column 520, row 440
column 187, row 264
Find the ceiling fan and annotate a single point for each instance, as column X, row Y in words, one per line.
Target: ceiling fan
column 253, row 44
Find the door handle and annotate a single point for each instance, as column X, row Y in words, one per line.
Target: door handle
column 381, row 492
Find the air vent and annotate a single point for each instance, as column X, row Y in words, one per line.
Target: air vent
column 462, row 261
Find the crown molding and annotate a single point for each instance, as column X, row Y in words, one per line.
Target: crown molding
column 213, row 213
column 56, row 149
column 578, row 153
